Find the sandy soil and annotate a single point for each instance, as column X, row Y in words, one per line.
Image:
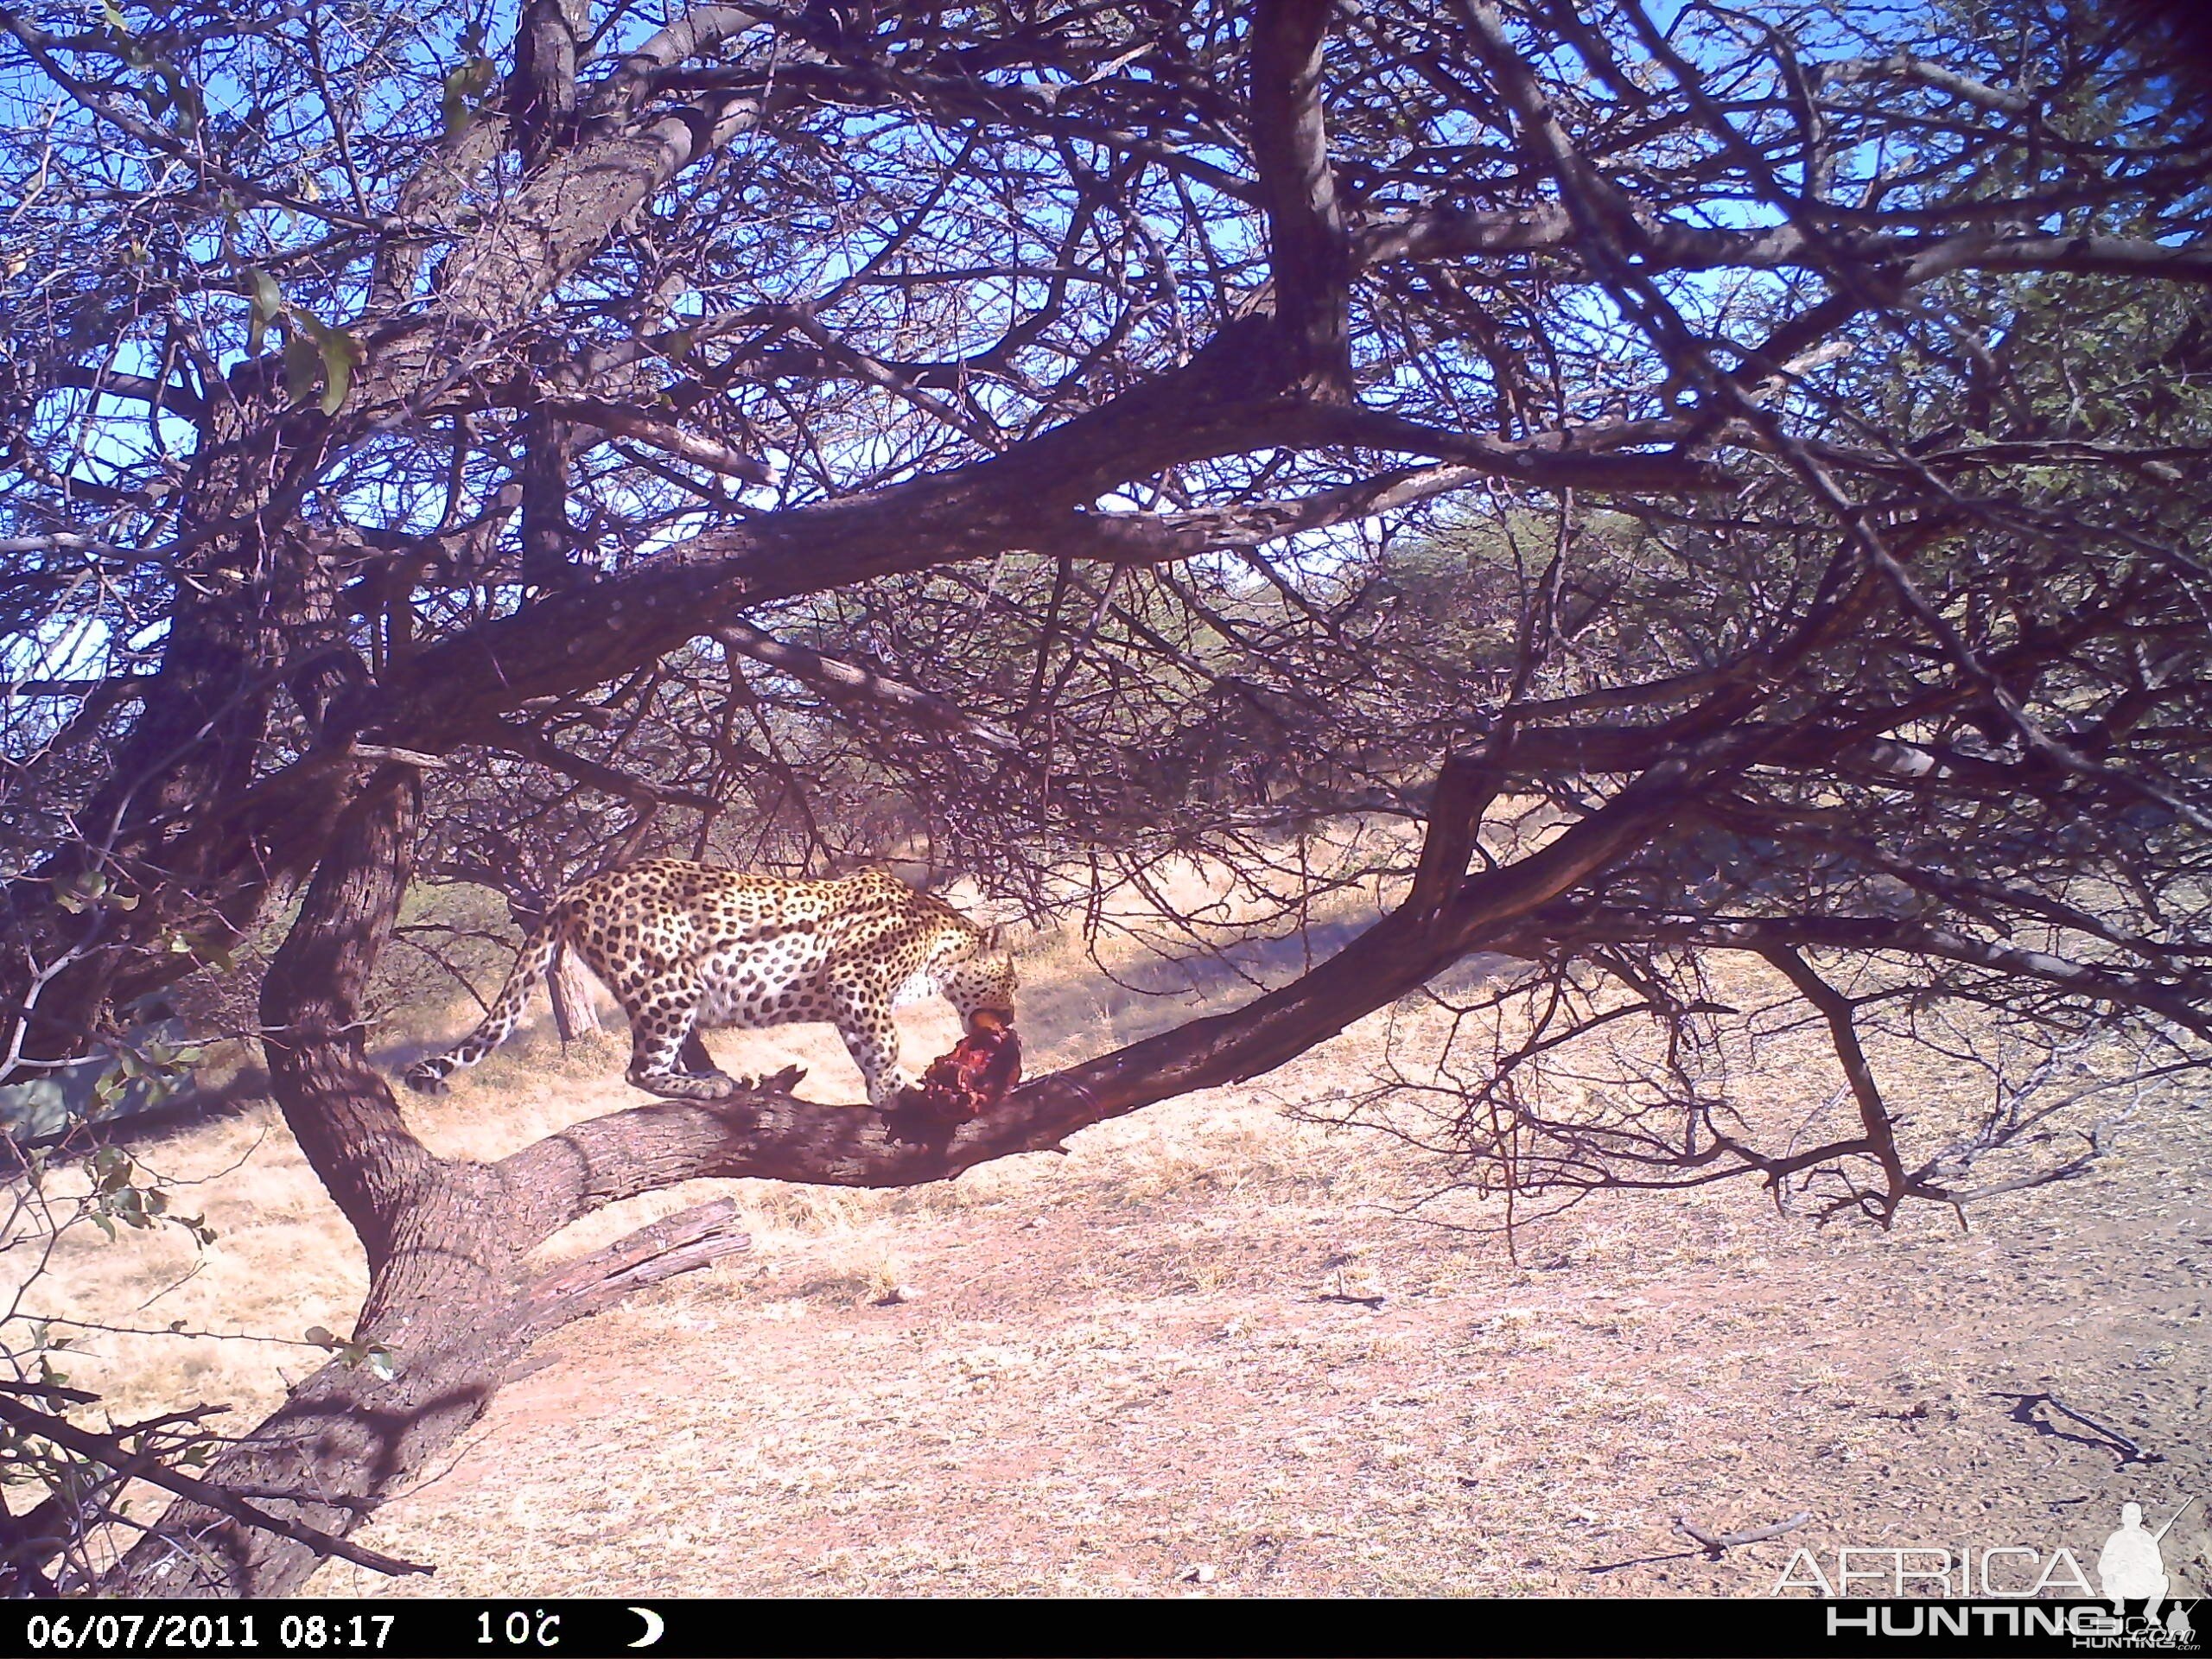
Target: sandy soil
column 1126, row 1371
column 1213, row 1350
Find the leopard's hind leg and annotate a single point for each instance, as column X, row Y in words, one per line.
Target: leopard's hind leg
column 663, row 1038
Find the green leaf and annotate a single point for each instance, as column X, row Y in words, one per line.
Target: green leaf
column 268, row 305
column 382, row 1365
column 464, row 89
column 301, row 364
column 341, row 355
column 191, row 109
column 454, row 104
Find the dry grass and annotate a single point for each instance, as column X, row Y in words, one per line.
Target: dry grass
column 1123, row 1363
column 1120, row 1364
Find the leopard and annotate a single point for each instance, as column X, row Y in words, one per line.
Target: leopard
column 687, row 948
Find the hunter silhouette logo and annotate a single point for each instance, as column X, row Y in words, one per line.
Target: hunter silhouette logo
column 2008, row 1590
column 2131, row 1567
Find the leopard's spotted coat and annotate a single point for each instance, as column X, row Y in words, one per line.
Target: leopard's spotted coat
column 687, row 947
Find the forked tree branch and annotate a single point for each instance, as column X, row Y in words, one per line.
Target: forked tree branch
column 570, row 1174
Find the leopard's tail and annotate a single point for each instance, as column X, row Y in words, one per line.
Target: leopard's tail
column 428, row 1076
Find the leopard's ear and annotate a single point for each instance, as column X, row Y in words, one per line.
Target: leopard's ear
column 995, row 938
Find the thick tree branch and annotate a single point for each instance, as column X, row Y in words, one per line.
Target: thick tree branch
column 665, row 436
column 695, row 1238
column 1905, row 260
column 698, row 31
column 313, row 1036
column 534, row 744
column 1837, row 1010
column 583, row 1168
column 1309, row 251
column 1010, row 502
column 1903, row 66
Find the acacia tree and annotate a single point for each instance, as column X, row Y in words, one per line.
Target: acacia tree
column 1011, row 413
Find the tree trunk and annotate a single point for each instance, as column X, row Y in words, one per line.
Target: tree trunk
column 183, row 828
column 451, row 1304
column 569, row 985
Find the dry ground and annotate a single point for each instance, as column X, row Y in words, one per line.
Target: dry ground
column 1130, row 1370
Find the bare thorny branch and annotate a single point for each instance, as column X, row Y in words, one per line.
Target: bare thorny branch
column 1737, row 486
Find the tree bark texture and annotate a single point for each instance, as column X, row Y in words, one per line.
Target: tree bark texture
column 575, row 1012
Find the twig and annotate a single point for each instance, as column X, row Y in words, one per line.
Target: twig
column 51, row 1391
column 68, row 1436
column 1716, row 1543
column 408, row 757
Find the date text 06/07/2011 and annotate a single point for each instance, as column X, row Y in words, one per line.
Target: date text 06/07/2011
column 346, row 1631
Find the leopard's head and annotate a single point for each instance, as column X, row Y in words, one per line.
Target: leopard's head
column 979, row 982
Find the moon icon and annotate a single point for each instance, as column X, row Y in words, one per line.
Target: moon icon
column 655, row 1627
